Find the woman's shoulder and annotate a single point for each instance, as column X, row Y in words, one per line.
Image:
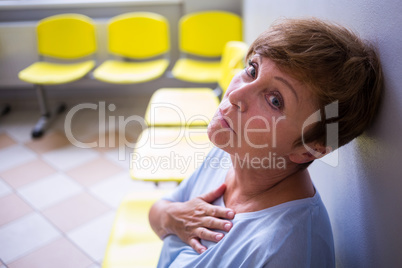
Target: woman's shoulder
column 300, row 224
column 302, row 214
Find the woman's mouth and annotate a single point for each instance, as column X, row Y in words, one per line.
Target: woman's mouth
column 223, row 121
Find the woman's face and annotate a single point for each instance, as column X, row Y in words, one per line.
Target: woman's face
column 262, row 112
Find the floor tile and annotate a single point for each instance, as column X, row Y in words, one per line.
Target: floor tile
column 21, row 236
column 93, row 236
column 120, row 156
column 49, row 191
column 12, row 207
column 4, row 189
column 113, row 190
column 69, row 157
column 94, row 171
column 6, row 141
column 49, row 142
column 15, row 155
column 108, row 141
column 60, row 253
column 75, row 211
column 27, row 173
column 77, row 190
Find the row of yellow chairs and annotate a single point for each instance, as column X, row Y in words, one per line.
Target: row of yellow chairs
column 140, row 45
column 132, row 243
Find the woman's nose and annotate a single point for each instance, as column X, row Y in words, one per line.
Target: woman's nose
column 239, row 98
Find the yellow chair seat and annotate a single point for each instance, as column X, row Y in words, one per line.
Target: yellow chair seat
column 197, row 71
column 123, row 72
column 181, row 106
column 132, row 242
column 169, row 154
column 48, row 73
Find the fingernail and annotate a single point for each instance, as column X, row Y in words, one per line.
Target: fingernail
column 202, row 250
column 230, row 214
column 227, row 226
column 218, row 237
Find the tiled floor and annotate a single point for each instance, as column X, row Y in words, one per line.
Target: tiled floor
column 57, row 200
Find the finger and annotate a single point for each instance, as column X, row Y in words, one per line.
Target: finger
column 196, row 245
column 209, row 235
column 213, row 195
column 219, row 212
column 217, row 224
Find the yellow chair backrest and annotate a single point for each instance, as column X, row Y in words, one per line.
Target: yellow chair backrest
column 206, row 33
column 139, row 35
column 232, row 61
column 66, row 36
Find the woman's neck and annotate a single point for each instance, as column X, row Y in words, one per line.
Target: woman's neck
column 252, row 189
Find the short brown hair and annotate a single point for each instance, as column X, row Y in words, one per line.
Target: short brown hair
column 335, row 64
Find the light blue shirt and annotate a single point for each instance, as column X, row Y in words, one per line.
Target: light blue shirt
column 293, row 234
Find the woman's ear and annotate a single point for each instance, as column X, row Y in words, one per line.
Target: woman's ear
column 306, row 153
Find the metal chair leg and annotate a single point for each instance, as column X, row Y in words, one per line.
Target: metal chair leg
column 46, row 116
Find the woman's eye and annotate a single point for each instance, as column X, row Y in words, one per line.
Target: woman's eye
column 251, row 70
column 275, row 101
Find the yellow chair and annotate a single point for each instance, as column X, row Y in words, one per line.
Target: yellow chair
column 168, row 154
column 65, row 38
column 132, row 242
column 139, row 39
column 203, row 35
column 194, row 106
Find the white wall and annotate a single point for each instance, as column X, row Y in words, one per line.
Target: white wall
column 363, row 193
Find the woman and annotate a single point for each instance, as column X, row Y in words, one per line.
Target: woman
column 252, row 202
